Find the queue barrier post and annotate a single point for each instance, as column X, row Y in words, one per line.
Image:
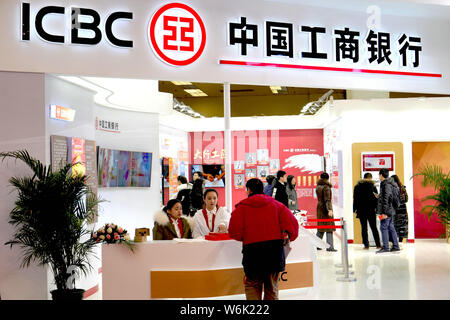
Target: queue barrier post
column 343, row 237
column 346, row 277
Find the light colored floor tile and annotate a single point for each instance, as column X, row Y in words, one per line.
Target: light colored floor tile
column 420, row 271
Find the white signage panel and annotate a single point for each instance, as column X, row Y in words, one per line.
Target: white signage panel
column 251, row 42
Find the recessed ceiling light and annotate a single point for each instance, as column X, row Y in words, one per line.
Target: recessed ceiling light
column 196, row 92
column 181, row 83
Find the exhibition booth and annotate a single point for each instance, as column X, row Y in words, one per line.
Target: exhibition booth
column 97, row 102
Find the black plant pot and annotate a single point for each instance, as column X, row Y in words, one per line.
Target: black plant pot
column 67, row 295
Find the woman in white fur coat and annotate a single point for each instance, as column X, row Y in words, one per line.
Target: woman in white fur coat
column 170, row 224
column 212, row 218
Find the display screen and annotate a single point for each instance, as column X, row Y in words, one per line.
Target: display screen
column 375, row 162
column 118, row 168
column 213, row 174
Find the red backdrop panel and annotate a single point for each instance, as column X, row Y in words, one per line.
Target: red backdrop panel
column 427, row 153
column 298, row 152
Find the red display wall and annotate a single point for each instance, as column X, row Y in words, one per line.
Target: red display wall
column 427, row 153
column 257, row 153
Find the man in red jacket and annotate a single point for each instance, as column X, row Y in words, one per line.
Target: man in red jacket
column 262, row 223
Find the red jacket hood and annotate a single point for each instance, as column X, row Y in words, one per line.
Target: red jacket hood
column 256, row 201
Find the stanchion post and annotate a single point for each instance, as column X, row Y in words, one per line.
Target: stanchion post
column 340, row 265
column 346, row 277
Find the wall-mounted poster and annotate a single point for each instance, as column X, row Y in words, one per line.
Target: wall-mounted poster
column 250, row 173
column 263, row 172
column 274, row 166
column 118, row 168
column 263, row 156
column 239, row 166
column 250, row 159
column 239, row 181
column 77, row 156
column 58, row 151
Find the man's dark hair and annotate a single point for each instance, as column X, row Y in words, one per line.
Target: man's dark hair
column 255, row 186
column 280, row 174
column 182, row 179
column 367, row 175
column 384, row 172
column 324, row 176
column 208, row 191
column 270, row 178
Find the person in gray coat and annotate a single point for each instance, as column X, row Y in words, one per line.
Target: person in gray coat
column 292, row 193
column 386, row 210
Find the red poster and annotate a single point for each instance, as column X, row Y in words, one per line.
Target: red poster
column 78, row 156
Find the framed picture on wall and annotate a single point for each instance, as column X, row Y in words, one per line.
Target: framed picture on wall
column 250, row 159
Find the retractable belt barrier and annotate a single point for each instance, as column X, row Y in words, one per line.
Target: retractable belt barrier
column 344, row 245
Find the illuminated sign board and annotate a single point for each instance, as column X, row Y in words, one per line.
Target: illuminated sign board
column 61, row 113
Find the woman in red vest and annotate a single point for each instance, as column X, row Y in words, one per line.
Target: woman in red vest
column 170, row 224
column 211, row 218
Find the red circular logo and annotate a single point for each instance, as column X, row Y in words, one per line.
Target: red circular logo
column 177, row 34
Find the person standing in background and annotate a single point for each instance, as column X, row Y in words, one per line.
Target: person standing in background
column 262, row 224
column 184, row 194
column 386, row 211
column 197, row 195
column 325, row 209
column 401, row 214
column 365, row 207
column 292, row 193
column 269, row 186
column 279, row 189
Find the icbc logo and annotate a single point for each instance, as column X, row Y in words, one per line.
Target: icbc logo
column 177, row 34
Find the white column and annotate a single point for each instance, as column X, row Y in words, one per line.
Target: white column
column 227, row 136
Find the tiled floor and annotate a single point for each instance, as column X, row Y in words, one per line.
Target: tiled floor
column 420, row 271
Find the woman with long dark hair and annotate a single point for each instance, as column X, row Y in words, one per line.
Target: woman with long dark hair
column 325, row 208
column 292, row 193
column 197, row 195
column 401, row 214
column 170, row 224
column 212, row 218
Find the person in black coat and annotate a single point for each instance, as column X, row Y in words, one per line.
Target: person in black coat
column 279, row 189
column 386, row 211
column 184, row 194
column 197, row 195
column 401, row 214
column 365, row 206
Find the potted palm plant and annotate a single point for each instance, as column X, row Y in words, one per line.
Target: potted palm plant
column 50, row 217
column 434, row 176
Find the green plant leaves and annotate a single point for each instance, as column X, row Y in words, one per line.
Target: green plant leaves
column 50, row 216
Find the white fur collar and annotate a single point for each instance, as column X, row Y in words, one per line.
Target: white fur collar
column 163, row 219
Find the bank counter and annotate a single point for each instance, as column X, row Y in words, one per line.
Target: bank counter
column 185, row 268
